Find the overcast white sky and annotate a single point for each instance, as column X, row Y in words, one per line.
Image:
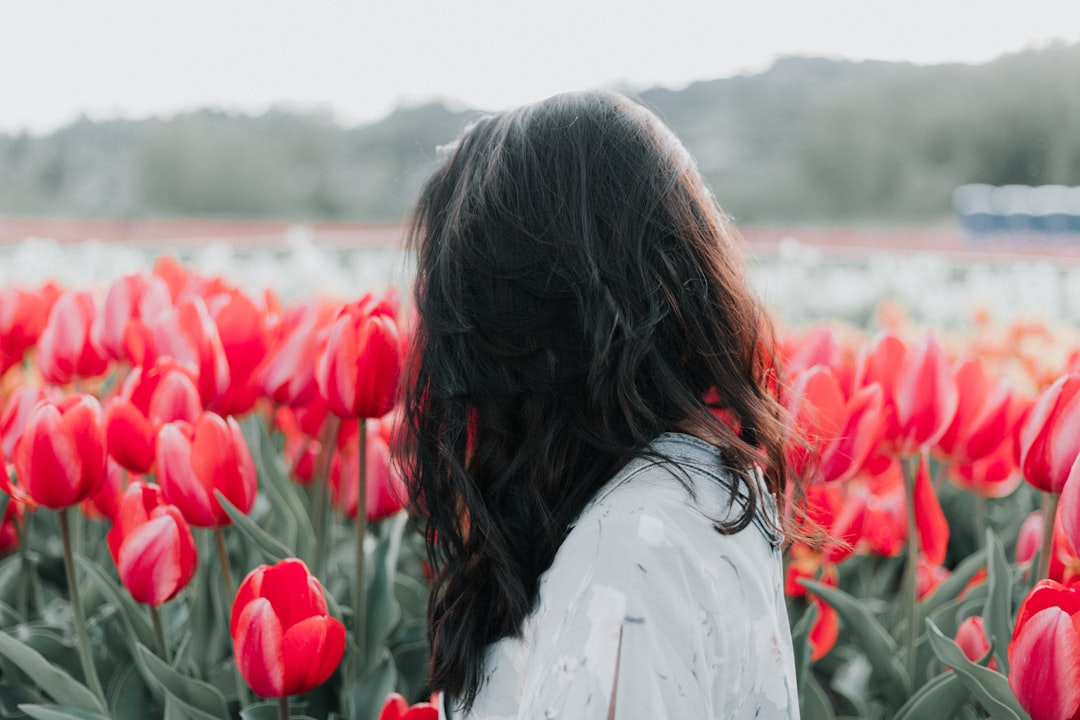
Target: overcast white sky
column 135, row 58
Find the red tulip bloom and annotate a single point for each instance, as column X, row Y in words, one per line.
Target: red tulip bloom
column 1044, row 653
column 880, row 363
column 152, row 545
column 981, row 423
column 60, row 457
column 13, row 513
column 398, row 708
column 993, row 476
column 21, row 403
column 842, row 431
column 359, row 371
column 1069, row 508
column 385, row 488
column 971, row 637
column 66, row 349
column 22, row 318
column 189, row 335
column 284, row 640
column 149, row 398
column 242, row 326
column 1050, row 436
column 105, row 503
column 132, row 305
column 885, row 524
column 925, row 397
column 929, row 517
column 288, row 376
column 194, row 460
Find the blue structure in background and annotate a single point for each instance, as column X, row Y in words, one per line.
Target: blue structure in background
column 1041, row 213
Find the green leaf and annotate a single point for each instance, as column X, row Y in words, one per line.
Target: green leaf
column 135, row 616
column 267, row 711
column 271, row 549
column 59, row 712
column 129, row 698
column 11, row 696
column 382, row 608
column 988, row 687
column 287, row 496
column 941, row 697
column 200, row 699
column 800, row 640
column 997, row 612
column 59, row 685
column 951, row 587
column 871, row 638
column 816, row 706
column 366, row 697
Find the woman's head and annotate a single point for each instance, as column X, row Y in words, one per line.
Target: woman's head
column 579, row 294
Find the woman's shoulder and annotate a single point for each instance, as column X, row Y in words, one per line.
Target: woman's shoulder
column 679, row 490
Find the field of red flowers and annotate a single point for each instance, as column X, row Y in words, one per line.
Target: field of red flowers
column 200, row 518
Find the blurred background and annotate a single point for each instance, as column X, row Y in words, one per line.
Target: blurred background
column 921, row 153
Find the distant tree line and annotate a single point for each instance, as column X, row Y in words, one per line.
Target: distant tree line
column 810, row 141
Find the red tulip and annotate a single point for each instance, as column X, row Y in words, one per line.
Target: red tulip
column 284, row 640
column 21, row 403
column 1069, row 507
column 993, row 476
column 195, row 460
column 885, row 525
column 971, row 637
column 981, row 423
column 132, row 305
column 929, row 517
column 22, row 318
column 927, row 577
column 152, row 545
column 149, row 398
column 1044, row 654
column 66, row 349
column 398, row 708
column 880, row 363
column 359, row 371
column 288, row 376
column 843, row 431
column 60, row 457
column 825, row 630
column 242, row 326
column 188, row 334
column 105, row 503
column 1050, row 436
column 13, row 513
column 385, row 488
column 925, row 397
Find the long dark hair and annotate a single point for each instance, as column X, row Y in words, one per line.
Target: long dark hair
column 579, row 293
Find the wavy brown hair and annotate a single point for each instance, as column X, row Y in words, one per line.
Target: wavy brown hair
column 579, row 293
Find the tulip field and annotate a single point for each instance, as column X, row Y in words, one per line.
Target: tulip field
column 200, row 518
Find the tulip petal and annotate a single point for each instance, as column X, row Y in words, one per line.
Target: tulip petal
column 149, row 561
column 1043, row 658
column 312, row 650
column 295, row 594
column 257, row 646
column 929, row 517
column 1069, row 507
column 47, row 461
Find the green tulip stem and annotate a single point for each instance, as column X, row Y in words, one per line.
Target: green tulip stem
column 226, row 571
column 1049, row 513
column 26, row 567
column 89, row 670
column 230, row 593
column 911, row 569
column 159, row 634
column 327, row 443
column 359, row 594
column 980, row 516
column 283, row 707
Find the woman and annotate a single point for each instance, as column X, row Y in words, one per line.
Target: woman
column 595, row 442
